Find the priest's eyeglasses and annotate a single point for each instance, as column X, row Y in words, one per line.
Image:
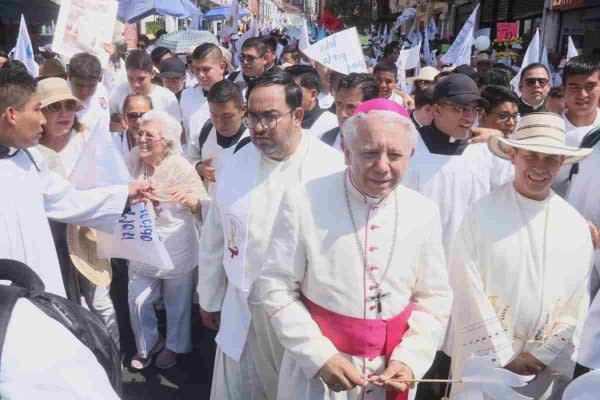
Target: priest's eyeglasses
column 67, row 105
column 267, row 121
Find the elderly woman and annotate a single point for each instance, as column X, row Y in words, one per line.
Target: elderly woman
column 177, row 205
column 61, row 143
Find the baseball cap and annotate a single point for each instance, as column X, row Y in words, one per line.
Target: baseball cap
column 459, row 89
column 172, row 68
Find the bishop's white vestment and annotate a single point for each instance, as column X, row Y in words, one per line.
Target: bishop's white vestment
column 314, row 259
column 31, row 197
column 232, row 249
column 519, row 269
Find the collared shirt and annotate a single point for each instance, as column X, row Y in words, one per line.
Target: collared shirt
column 438, row 142
column 525, row 108
column 311, row 116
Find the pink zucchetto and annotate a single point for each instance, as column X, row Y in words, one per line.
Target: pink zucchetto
column 381, row 105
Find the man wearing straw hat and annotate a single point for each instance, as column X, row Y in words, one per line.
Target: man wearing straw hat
column 519, row 265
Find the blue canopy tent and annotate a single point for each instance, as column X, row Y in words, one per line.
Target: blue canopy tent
column 222, row 12
column 134, row 10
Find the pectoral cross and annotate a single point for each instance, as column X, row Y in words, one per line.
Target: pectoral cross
column 377, row 298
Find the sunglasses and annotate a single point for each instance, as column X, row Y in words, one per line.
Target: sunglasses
column 533, row 81
column 68, row 105
column 133, row 116
column 249, row 59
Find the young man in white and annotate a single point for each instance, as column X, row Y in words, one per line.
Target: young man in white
column 84, row 73
column 355, row 279
column 278, row 154
column 208, row 66
column 515, row 301
column 316, row 119
column 140, row 72
column 582, row 92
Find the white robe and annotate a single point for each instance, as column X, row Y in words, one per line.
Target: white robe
column 455, row 182
column 192, row 99
column 314, row 252
column 311, row 158
column 519, row 269
column 31, row 197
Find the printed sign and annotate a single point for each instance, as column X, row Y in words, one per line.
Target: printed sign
column 507, row 30
column 85, row 26
column 340, row 52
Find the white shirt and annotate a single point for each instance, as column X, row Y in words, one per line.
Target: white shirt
column 573, row 138
column 397, row 98
column 162, row 99
column 113, row 77
column 326, row 100
column 36, row 196
column 314, row 252
column 71, row 152
column 64, row 368
column 326, row 121
column 513, row 293
column 95, row 110
column 192, row 99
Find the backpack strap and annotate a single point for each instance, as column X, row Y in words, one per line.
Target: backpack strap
column 204, row 135
column 589, row 141
column 241, row 144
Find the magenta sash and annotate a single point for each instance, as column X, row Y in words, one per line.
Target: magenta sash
column 359, row 337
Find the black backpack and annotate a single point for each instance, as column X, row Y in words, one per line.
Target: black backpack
column 84, row 325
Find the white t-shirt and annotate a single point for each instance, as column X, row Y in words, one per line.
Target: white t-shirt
column 70, row 153
column 191, row 100
column 325, row 100
column 95, row 109
column 162, row 99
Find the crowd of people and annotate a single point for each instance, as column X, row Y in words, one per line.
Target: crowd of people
column 343, row 236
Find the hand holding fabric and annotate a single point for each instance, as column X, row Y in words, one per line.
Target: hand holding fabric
column 525, row 364
column 211, row 320
column 206, row 170
column 138, row 191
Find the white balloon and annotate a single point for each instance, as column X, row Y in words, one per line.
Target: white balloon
column 482, row 43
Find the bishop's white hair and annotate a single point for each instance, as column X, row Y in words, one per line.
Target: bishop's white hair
column 353, row 124
column 170, row 128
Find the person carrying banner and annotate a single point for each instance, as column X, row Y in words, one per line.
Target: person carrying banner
column 353, row 324
column 515, row 301
column 36, row 193
column 278, row 154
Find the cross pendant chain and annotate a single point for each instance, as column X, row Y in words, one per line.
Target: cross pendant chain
column 377, row 298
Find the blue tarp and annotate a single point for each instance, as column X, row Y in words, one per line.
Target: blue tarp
column 134, row 10
column 222, row 12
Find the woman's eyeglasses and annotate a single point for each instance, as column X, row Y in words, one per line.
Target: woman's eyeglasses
column 133, row 116
column 68, row 105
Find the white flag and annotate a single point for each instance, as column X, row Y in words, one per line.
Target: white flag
column 571, row 50
column 231, row 24
column 532, row 55
column 385, row 35
column 460, row 51
column 408, row 59
column 432, row 29
column 24, row 50
column 544, row 60
column 429, row 58
column 407, row 14
column 304, row 42
column 341, row 52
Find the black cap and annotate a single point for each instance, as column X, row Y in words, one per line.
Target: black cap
column 172, row 68
column 459, row 89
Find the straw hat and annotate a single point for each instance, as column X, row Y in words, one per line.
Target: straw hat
column 426, row 74
column 52, row 90
column 82, row 250
column 542, row 132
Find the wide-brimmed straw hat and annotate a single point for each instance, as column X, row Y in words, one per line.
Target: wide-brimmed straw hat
column 53, row 90
column 542, row 132
column 426, row 74
column 82, row 244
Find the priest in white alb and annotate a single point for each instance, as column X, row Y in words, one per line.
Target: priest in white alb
column 31, row 193
column 252, row 178
column 355, row 279
column 519, row 266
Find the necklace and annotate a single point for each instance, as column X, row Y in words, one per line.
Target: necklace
column 379, row 295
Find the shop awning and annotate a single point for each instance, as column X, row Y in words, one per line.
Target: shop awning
column 134, row 10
